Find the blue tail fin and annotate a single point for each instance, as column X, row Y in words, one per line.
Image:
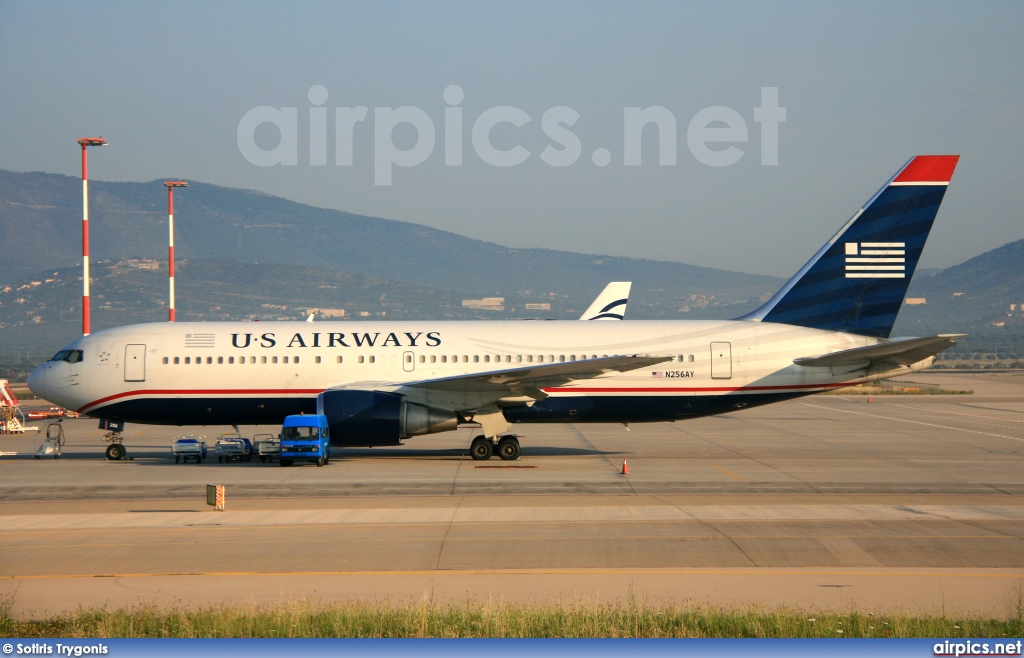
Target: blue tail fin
column 857, row 280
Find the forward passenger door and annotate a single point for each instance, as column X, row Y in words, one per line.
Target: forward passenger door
column 135, row 363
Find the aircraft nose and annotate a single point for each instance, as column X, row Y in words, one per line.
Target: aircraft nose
column 37, row 381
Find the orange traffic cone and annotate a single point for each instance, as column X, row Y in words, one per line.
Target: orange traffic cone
column 869, row 398
column 625, row 467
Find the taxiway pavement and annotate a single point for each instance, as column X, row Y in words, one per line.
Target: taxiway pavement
column 904, row 502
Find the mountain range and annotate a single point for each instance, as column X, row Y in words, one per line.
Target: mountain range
column 245, row 254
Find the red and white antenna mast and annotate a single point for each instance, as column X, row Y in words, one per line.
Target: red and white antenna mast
column 86, row 142
column 170, row 244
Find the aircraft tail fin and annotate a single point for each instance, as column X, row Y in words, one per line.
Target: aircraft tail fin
column 858, row 279
column 611, row 303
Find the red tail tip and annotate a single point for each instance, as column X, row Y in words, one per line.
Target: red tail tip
column 928, row 169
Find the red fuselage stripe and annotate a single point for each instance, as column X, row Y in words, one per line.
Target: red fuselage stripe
column 219, row 392
column 692, row 389
column 318, row 391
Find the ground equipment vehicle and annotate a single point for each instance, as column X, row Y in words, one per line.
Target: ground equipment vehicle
column 188, row 447
column 266, row 446
column 305, row 438
column 232, row 447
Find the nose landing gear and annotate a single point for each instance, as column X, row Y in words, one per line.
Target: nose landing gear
column 116, row 450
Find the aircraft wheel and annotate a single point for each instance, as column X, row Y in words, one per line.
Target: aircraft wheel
column 508, row 448
column 115, row 452
column 481, row 449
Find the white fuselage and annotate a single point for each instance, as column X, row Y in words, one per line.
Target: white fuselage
column 257, row 372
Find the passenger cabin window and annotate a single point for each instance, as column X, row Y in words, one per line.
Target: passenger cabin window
column 361, row 359
column 165, row 360
column 187, row 360
column 176, row 360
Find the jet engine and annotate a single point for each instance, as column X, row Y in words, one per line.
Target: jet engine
column 375, row 418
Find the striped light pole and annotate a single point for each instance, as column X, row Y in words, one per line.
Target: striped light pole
column 86, row 142
column 170, row 185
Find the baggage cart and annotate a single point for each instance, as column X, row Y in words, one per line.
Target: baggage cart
column 189, row 447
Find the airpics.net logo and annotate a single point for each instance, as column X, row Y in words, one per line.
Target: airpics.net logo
column 712, row 134
column 876, row 260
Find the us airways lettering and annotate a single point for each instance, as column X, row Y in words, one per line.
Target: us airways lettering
column 364, row 339
column 392, row 339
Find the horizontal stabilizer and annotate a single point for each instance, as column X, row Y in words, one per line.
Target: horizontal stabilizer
column 905, row 352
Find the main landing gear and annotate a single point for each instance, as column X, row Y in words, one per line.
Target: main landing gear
column 507, row 448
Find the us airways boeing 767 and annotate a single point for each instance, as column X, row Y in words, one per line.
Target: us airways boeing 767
column 381, row 382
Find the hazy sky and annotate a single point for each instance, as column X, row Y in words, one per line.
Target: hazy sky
column 865, row 86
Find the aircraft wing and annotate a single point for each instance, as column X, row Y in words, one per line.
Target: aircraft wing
column 904, row 351
column 516, row 380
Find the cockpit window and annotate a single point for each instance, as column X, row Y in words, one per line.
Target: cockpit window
column 71, row 356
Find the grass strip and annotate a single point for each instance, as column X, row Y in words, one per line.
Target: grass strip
column 493, row 619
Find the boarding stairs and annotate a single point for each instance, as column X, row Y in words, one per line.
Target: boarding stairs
column 12, row 419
